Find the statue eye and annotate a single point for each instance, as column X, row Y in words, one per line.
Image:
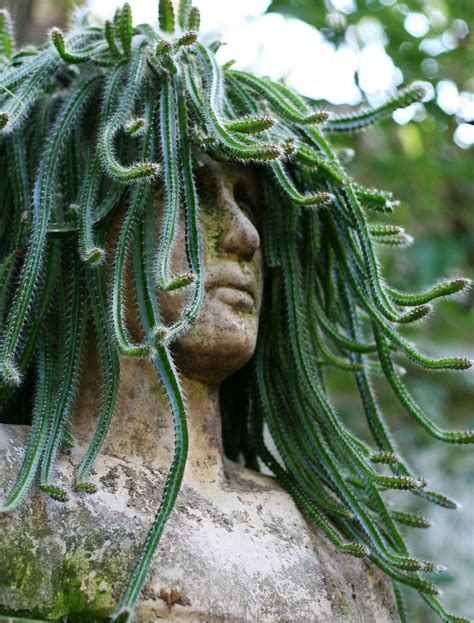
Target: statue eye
column 245, row 202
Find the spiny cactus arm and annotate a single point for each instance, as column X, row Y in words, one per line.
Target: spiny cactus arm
column 299, row 329
column 309, row 474
column 272, row 396
column 407, row 562
column 164, row 365
column 287, row 186
column 58, row 40
column 195, row 90
column 271, row 251
column 39, row 427
column 27, row 62
column 445, row 288
column 89, row 251
column 19, row 179
column 213, row 95
column 285, row 183
column 401, row 608
column 166, row 16
column 170, row 146
column 140, row 197
column 379, row 296
column 44, row 190
column 409, row 579
column 111, row 370
column 328, row 356
column 368, row 116
column 394, row 240
column 108, row 204
column 375, row 419
column 51, row 270
column 7, row 268
column 383, row 230
column 300, row 357
column 454, row 363
column 383, row 439
column 194, row 247
column 104, row 210
column 168, row 375
column 27, row 83
column 266, row 89
column 15, row 109
column 251, row 124
column 112, row 123
column 334, row 333
column 434, row 604
column 408, row 401
column 411, row 519
column 7, row 43
column 331, row 170
column 74, row 317
column 110, row 35
column 194, row 21
column 13, row 78
column 124, row 27
column 377, row 200
column 184, row 10
column 354, row 209
column 287, row 481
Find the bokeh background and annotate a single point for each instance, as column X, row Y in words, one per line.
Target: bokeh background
column 349, row 53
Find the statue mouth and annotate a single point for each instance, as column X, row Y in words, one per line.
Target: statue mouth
column 235, row 297
column 232, row 284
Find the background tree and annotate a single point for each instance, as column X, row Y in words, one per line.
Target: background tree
column 34, row 17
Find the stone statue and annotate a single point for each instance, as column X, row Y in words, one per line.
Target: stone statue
column 184, row 260
column 236, row 547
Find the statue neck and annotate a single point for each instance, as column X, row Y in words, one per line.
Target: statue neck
column 142, row 427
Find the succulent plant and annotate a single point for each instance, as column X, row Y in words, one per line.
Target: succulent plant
column 100, row 117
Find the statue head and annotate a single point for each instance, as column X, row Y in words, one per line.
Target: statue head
column 224, row 178
column 224, row 335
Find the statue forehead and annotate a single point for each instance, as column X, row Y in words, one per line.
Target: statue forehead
column 213, row 176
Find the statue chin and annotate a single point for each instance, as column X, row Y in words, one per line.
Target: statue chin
column 222, row 340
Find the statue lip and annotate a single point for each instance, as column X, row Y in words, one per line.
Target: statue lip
column 230, row 275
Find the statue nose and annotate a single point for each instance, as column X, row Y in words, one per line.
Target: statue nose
column 239, row 234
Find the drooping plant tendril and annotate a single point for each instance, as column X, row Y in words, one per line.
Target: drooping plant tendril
column 88, row 124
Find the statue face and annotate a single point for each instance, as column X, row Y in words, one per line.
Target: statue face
column 224, row 335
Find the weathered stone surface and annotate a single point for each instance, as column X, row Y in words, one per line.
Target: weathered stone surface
column 238, row 552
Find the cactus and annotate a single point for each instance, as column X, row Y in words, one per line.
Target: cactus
column 84, row 122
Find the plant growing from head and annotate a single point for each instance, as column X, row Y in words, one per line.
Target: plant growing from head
column 102, row 116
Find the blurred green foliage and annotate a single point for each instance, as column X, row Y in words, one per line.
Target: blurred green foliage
column 433, row 177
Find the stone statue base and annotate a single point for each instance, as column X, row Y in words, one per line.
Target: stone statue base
column 232, row 551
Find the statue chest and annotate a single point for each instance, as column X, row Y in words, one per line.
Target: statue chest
column 240, row 552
